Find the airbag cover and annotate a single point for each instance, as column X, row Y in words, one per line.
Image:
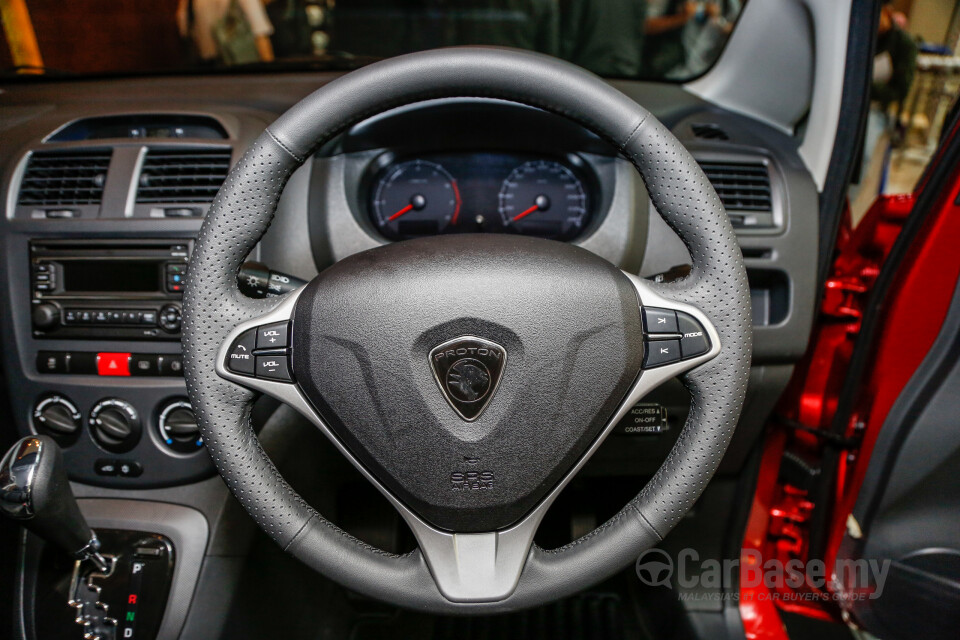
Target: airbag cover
column 568, row 321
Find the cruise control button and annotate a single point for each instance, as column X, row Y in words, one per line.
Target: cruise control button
column 694, row 341
column 661, row 352
column 659, row 320
column 272, row 336
column 273, row 368
column 240, row 358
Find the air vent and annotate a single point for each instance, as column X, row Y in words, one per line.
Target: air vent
column 742, row 186
column 709, row 132
column 173, row 176
column 64, row 177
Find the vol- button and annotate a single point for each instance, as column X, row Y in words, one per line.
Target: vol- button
column 272, row 336
column 240, row 358
column 273, row 368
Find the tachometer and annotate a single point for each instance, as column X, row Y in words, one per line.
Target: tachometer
column 543, row 198
column 415, row 198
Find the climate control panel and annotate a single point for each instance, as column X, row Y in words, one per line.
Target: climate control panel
column 110, row 440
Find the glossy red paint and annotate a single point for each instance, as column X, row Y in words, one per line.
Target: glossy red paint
column 916, row 306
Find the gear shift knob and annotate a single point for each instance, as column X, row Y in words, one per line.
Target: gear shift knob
column 34, row 490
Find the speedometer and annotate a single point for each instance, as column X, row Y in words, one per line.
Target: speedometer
column 543, row 198
column 415, row 198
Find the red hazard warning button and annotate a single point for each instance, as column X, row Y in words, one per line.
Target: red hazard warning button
column 113, row 364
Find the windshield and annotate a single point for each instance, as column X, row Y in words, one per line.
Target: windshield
column 653, row 39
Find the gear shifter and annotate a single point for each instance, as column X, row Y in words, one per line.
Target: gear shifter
column 34, row 490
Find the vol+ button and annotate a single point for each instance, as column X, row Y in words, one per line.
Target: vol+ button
column 272, row 336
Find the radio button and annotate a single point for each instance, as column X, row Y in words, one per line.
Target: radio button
column 148, row 317
column 86, row 317
column 131, row 317
column 71, row 316
column 116, row 317
column 240, row 358
column 170, row 319
column 273, row 336
column 46, row 315
column 100, row 317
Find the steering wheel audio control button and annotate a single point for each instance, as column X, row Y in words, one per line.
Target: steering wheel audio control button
column 273, row 336
column 274, row 367
column 659, row 320
column 693, row 341
column 661, row 352
column 240, row 358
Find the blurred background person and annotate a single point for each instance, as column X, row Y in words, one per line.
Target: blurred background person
column 229, row 32
column 894, row 64
column 663, row 48
column 604, row 37
column 704, row 35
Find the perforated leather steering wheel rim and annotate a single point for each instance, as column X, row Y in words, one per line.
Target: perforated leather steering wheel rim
column 243, row 210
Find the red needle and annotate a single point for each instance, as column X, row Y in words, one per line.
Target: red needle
column 525, row 213
column 407, row 208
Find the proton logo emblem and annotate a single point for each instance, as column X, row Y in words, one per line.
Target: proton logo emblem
column 467, row 370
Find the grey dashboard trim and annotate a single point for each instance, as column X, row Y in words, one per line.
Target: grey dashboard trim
column 781, row 65
column 188, row 531
column 473, row 567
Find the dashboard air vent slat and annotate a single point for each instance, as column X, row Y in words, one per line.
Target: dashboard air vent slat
column 707, row 131
column 70, row 177
column 182, row 175
column 742, row 186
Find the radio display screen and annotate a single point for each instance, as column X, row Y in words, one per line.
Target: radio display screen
column 121, row 276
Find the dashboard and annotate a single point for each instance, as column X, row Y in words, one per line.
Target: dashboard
column 106, row 184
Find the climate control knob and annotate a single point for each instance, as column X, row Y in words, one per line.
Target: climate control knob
column 58, row 417
column 178, row 427
column 115, row 425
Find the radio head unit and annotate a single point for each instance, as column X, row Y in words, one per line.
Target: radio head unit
column 114, row 289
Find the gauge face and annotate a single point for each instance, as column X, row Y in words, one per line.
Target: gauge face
column 543, row 198
column 415, row 198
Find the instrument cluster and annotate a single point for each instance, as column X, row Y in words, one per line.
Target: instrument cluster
column 483, row 192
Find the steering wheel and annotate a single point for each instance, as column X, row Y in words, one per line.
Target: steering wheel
column 468, row 377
